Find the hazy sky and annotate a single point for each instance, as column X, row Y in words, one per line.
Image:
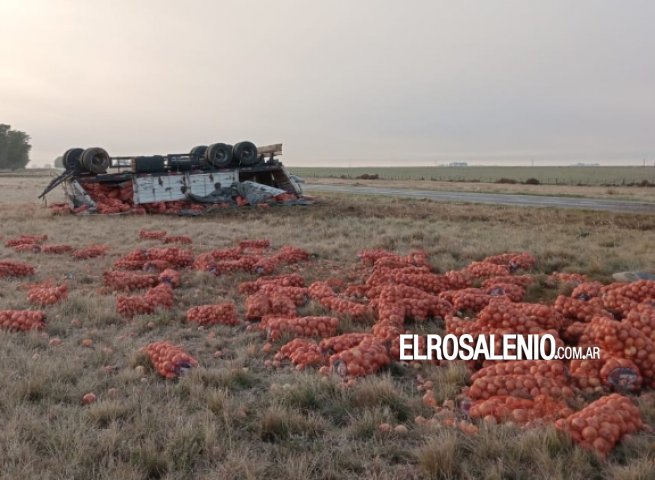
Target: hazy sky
column 339, row 81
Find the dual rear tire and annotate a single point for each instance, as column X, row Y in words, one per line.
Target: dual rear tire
column 245, row 153
column 218, row 155
column 222, row 155
column 93, row 160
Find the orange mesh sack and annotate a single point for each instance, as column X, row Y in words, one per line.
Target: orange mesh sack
column 56, row 249
column 160, row 296
column 322, row 327
column 92, row 251
column 585, row 374
column 15, row 269
column 521, row 411
column 621, row 375
column 170, row 360
column 22, row 320
column 602, row 424
column 302, row 353
column 519, row 385
column 181, row 239
column 128, row 281
column 292, row 280
column 25, row 240
column 364, row 359
column 170, row 277
column 223, row 314
column 642, row 317
column 620, row 339
column 45, row 295
column 152, row 234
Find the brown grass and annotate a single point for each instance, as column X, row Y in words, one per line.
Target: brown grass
column 232, row 417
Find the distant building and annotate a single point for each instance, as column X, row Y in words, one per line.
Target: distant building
column 458, row 164
column 581, row 164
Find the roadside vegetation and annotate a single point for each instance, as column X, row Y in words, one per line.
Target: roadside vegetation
column 634, row 193
column 579, row 176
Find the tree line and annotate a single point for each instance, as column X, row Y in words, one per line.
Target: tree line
column 14, row 148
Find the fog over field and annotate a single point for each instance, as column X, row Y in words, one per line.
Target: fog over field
column 340, row 83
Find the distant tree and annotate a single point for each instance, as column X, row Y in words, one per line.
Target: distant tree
column 59, row 162
column 14, row 148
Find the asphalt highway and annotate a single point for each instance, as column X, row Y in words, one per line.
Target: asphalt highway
column 620, row 206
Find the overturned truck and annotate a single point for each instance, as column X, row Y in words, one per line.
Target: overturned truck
column 218, row 175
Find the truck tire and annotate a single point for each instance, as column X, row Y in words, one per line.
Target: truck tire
column 95, row 160
column 197, row 157
column 71, row 158
column 245, row 153
column 219, row 155
column 197, row 153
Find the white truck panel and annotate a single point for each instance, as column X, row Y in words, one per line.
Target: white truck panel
column 170, row 188
column 203, row 184
column 159, row 188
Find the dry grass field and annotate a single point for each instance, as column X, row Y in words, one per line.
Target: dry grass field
column 596, row 175
column 233, row 418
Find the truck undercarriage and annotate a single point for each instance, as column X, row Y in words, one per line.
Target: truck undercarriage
column 220, row 174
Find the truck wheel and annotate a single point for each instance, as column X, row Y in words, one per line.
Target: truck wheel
column 197, row 155
column 245, row 153
column 71, row 158
column 219, row 155
column 95, row 160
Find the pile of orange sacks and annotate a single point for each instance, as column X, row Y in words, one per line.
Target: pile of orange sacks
column 261, row 304
column 34, row 244
column 160, row 296
column 155, row 259
column 111, row 198
column 248, row 258
column 119, row 198
column 395, row 289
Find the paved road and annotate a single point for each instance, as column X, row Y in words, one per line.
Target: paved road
column 492, row 198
